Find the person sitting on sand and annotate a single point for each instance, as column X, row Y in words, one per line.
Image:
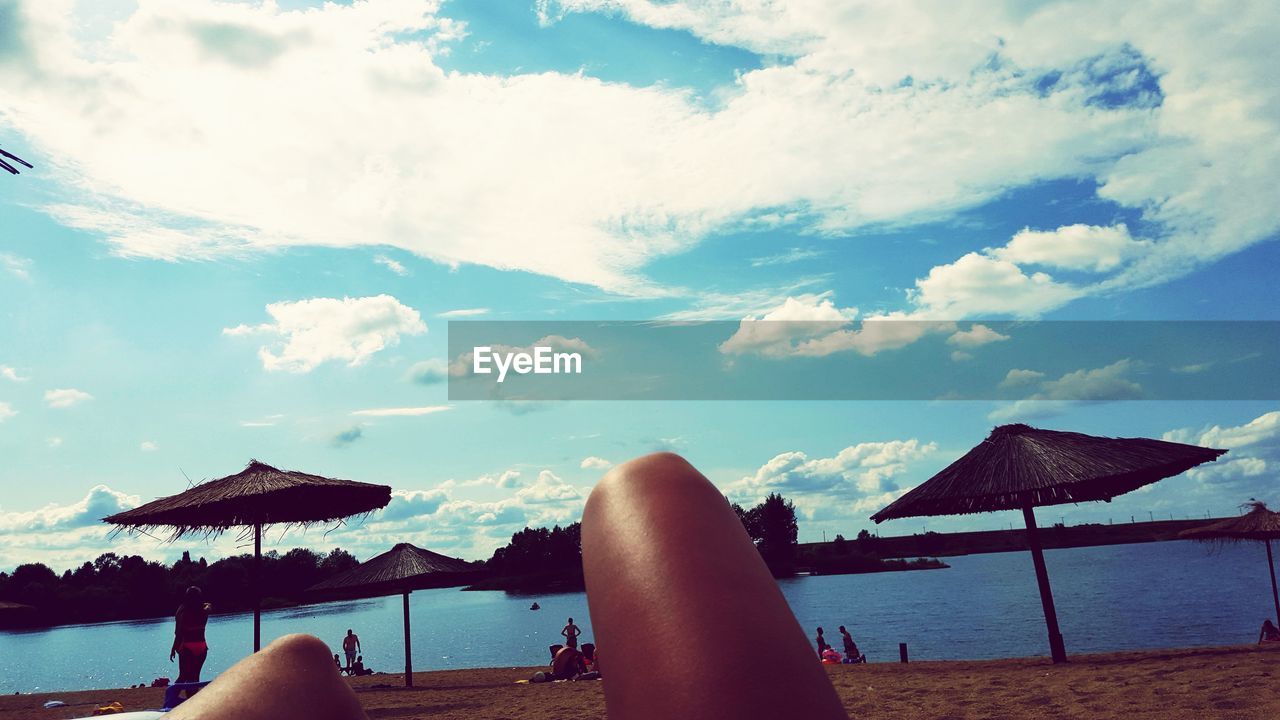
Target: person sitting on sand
column 188, row 636
column 1269, row 633
column 337, row 662
column 822, row 643
column 568, row 664
column 358, row 669
column 571, row 633
column 657, row 506
column 851, row 654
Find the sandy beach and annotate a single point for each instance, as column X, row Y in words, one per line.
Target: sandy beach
column 1223, row 682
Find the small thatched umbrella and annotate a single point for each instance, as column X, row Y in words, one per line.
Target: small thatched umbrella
column 1019, row 467
column 399, row 571
column 1258, row 524
column 255, row 497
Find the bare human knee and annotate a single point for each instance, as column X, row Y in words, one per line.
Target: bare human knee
column 646, row 475
column 299, row 651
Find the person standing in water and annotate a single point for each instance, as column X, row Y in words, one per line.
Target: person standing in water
column 351, row 647
column 571, row 633
column 188, row 636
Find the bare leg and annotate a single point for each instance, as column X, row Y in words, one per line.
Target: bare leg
column 689, row 621
column 293, row 677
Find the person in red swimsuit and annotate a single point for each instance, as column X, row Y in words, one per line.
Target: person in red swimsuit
column 188, row 636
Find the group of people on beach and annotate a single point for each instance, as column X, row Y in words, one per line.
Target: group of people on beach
column 568, row 662
column 831, row 656
column 355, row 661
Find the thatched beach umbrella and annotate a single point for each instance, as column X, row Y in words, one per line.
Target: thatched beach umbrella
column 1019, row 467
column 255, row 497
column 1259, row 524
column 399, row 571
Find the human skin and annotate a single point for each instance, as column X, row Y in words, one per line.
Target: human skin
column 693, row 623
column 293, row 677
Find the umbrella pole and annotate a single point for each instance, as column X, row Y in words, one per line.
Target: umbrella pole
column 257, row 587
column 1271, row 567
column 1056, row 647
column 408, row 646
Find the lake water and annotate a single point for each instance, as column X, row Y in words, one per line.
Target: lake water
column 1171, row 594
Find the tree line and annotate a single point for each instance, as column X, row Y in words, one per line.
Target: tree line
column 129, row 587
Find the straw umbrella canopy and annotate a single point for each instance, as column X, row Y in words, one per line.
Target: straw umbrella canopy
column 399, row 571
column 256, row 497
column 1019, row 467
column 1259, row 524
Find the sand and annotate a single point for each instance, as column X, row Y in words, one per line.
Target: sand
column 1226, row 682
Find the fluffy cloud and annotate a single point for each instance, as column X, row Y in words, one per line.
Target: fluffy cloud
column 429, row 372
column 812, row 326
column 976, row 336
column 391, row 265
column 11, row 374
column 979, row 284
column 18, row 267
column 595, row 463
column 860, row 126
column 1074, row 247
column 1017, row 377
column 413, row 503
column 1053, row 397
column 65, row 397
column 326, row 329
column 100, row 502
column 6, row 411
column 548, row 488
column 858, row 471
column 1254, row 453
column 149, row 446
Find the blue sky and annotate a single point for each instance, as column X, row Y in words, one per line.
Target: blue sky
column 249, row 226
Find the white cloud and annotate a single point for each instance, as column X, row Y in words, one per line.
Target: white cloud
column 863, row 470
column 976, row 336
column 595, row 463
column 391, row 265
column 18, row 267
column 1074, row 247
column 403, row 411
column 429, row 372
column 65, row 397
column 463, row 312
column 1253, row 458
column 1018, row 377
column 860, row 126
column 268, row 421
column 776, row 332
column 791, row 256
column 1104, row 383
column 149, row 446
column 548, row 488
column 1053, row 397
column 409, row 504
column 11, row 374
column 506, row 479
column 53, row 442
column 100, row 502
column 6, row 411
column 978, row 284
column 326, row 329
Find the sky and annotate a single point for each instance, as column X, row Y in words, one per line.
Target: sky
column 249, row 226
